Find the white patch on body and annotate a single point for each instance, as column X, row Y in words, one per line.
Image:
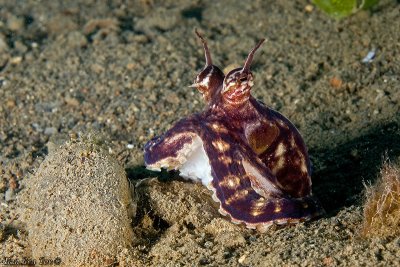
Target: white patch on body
column 192, row 162
column 197, row 165
column 206, row 81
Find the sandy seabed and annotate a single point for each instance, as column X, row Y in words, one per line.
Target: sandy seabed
column 121, row 69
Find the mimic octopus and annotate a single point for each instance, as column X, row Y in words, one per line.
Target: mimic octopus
column 251, row 157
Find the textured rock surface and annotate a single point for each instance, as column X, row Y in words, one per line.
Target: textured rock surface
column 79, row 207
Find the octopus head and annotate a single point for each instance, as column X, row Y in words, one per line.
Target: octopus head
column 238, row 82
column 237, row 85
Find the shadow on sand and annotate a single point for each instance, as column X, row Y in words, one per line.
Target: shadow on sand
column 340, row 173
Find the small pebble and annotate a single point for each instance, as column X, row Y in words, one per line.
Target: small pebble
column 14, row 23
column 336, row 82
column 50, row 130
column 16, row 60
column 9, row 195
column 369, row 57
column 10, row 103
column 242, row 258
column 309, row 8
column 37, row 127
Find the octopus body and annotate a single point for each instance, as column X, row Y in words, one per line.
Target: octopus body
column 251, row 157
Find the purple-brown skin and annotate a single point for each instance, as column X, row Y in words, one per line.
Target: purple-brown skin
column 251, row 157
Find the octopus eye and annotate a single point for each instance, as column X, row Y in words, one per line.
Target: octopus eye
column 243, row 79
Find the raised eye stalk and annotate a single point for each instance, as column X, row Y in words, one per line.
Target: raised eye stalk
column 206, row 50
column 249, row 59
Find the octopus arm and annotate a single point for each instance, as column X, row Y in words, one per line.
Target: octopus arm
column 171, row 149
column 248, row 194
